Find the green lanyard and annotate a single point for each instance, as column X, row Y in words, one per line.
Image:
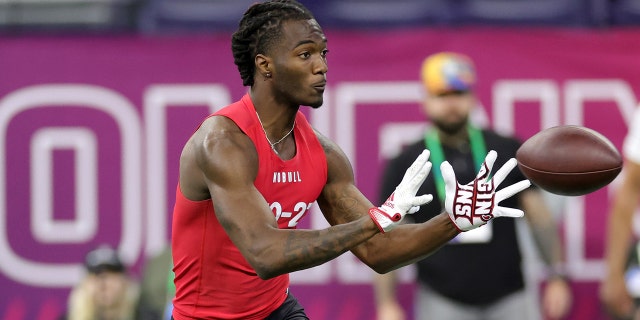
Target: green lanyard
column 432, row 142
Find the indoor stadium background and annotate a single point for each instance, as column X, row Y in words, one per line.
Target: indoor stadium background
column 98, row 96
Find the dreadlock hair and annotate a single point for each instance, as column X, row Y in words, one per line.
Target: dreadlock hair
column 258, row 31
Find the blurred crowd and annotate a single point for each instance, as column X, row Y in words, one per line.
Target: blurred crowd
column 109, row 291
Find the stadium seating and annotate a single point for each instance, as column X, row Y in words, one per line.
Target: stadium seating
column 160, row 16
column 526, row 12
column 625, row 12
column 68, row 15
column 388, row 13
column 192, row 15
column 380, row 13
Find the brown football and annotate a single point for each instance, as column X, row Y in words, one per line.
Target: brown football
column 569, row 160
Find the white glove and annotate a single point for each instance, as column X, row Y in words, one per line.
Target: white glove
column 403, row 200
column 474, row 204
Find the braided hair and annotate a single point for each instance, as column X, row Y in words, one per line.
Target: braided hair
column 258, row 31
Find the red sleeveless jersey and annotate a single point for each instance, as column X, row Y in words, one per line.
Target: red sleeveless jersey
column 213, row 280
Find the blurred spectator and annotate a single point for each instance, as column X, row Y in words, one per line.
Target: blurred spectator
column 157, row 288
column 106, row 292
column 478, row 274
column 614, row 290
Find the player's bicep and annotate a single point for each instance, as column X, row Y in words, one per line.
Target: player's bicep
column 340, row 200
column 229, row 164
column 225, row 155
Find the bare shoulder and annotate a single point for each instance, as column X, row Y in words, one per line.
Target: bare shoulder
column 216, row 130
column 217, row 153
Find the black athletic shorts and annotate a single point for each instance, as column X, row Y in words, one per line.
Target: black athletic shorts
column 290, row 309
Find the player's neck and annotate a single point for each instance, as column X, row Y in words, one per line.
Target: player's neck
column 275, row 116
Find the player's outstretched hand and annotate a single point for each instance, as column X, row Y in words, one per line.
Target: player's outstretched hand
column 474, row 204
column 403, row 200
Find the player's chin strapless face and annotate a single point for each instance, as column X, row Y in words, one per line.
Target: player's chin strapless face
column 303, row 68
column 317, row 103
column 301, row 89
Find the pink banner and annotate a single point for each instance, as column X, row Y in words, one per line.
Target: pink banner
column 92, row 129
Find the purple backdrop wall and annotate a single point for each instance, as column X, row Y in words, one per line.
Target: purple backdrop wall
column 92, row 129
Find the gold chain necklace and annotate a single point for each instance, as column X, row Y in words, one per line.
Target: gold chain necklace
column 273, row 144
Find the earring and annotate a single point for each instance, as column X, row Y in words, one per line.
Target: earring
column 268, row 75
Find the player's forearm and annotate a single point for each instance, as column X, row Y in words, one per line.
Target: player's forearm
column 408, row 243
column 302, row 249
